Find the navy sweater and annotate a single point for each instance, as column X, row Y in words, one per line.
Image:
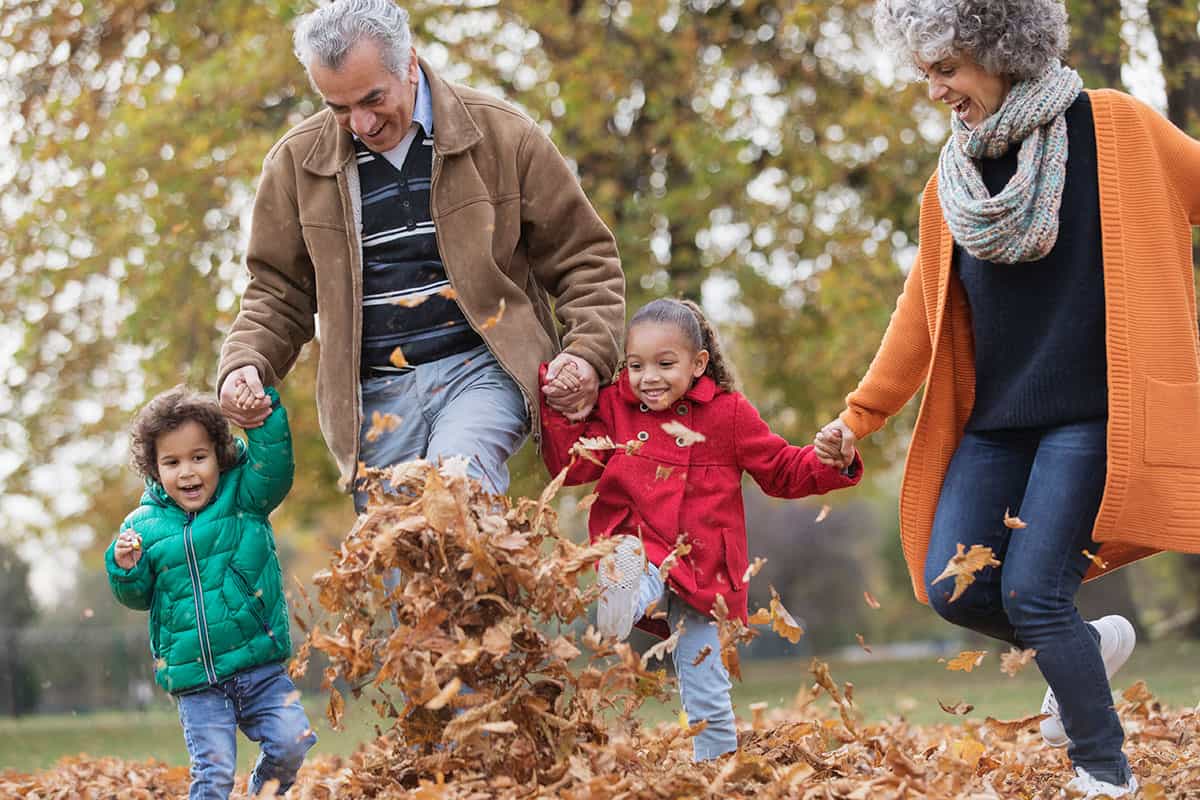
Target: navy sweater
column 1039, row 325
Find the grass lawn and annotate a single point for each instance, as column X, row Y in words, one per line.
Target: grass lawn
column 881, row 690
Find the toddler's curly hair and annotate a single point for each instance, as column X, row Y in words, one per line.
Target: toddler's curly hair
column 166, row 413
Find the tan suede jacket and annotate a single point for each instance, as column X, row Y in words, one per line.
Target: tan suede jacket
column 513, row 226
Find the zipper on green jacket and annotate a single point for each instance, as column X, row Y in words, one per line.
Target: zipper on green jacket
column 198, row 596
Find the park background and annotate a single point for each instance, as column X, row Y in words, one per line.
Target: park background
column 763, row 158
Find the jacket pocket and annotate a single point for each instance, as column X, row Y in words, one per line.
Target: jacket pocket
column 155, row 624
column 736, row 558
column 253, row 599
column 1172, row 424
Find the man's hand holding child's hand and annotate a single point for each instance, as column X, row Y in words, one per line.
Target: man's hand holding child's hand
column 128, row 550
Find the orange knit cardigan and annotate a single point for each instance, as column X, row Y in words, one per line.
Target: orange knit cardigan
column 1149, row 177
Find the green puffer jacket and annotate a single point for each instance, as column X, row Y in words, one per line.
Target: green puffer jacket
column 223, row 554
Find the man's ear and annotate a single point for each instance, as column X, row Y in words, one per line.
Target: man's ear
column 700, row 363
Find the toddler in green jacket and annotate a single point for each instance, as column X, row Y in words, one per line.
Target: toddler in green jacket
column 199, row 554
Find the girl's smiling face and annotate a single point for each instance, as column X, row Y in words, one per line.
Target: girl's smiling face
column 662, row 363
column 187, row 465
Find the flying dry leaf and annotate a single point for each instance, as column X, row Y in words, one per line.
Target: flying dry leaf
column 963, row 566
column 782, row 622
column 824, row 512
column 1007, row 729
column 661, row 473
column 753, row 569
column 862, row 642
column 452, row 688
column 397, row 358
column 448, row 293
column 704, row 653
column 1015, row 660
column 411, row 301
column 335, row 709
column 684, row 436
column 760, row 617
column 871, row 601
column 1096, row 559
column 1013, row 523
column 494, row 320
column 958, row 708
column 381, row 424
column 587, row 501
column 965, row 661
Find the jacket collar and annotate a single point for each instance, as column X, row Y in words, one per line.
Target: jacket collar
column 702, row 391
column 454, row 132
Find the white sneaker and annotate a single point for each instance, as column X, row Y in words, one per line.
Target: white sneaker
column 620, row 575
column 1117, row 639
column 1085, row 786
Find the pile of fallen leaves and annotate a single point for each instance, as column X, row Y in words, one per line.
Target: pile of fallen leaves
column 488, row 684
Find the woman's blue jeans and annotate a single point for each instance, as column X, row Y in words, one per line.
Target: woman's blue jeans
column 1053, row 478
column 263, row 702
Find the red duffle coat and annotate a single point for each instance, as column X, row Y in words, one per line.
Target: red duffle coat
column 667, row 489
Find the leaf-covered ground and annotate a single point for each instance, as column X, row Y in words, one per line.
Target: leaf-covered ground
column 484, row 688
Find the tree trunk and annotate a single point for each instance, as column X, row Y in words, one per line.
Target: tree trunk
column 1097, row 49
column 1174, row 23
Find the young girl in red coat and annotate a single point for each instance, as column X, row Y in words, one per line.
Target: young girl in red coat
column 672, row 488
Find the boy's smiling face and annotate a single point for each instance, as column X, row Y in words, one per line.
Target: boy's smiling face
column 662, row 363
column 187, row 465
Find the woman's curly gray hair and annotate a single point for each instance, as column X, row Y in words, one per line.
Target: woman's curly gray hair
column 1015, row 38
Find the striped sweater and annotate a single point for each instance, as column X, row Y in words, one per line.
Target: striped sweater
column 1149, row 177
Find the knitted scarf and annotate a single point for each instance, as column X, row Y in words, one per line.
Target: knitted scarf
column 1021, row 222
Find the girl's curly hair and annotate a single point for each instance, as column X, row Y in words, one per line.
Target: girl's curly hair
column 690, row 319
column 1015, row 38
column 167, row 412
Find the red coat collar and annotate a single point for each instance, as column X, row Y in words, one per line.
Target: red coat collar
column 703, row 389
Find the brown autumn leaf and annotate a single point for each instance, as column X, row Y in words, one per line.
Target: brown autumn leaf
column 1007, row 729
column 684, row 436
column 494, row 319
column 963, row 566
column 782, row 622
column 823, row 513
column 965, row 661
column 870, row 599
column 448, row 293
column 335, row 709
column 1013, row 523
column 381, row 424
column 397, row 359
column 704, row 653
column 412, row 301
column 961, row 708
column 661, row 473
column 753, row 569
column 587, row 501
column 1096, row 559
column 760, row 617
column 1015, row 660
column 862, row 642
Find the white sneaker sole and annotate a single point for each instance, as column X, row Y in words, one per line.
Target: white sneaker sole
column 619, row 575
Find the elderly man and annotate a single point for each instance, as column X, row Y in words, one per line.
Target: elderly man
column 428, row 224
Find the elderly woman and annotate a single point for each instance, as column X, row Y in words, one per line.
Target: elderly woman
column 1050, row 314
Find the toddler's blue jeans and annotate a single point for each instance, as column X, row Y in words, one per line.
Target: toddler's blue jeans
column 704, row 687
column 257, row 701
column 1053, row 478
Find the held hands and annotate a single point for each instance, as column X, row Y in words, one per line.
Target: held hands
column 571, row 386
column 128, row 551
column 243, row 399
column 834, row 445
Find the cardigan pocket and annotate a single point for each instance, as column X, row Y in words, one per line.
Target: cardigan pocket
column 1172, row 424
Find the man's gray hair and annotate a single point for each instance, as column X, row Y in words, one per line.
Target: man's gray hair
column 327, row 34
column 1015, row 38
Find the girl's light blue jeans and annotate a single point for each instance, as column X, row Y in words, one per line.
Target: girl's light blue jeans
column 261, row 701
column 704, row 687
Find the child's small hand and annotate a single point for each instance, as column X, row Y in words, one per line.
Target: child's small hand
column 128, row 550
column 245, row 397
column 567, row 380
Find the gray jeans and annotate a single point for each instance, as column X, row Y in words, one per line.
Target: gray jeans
column 461, row 405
